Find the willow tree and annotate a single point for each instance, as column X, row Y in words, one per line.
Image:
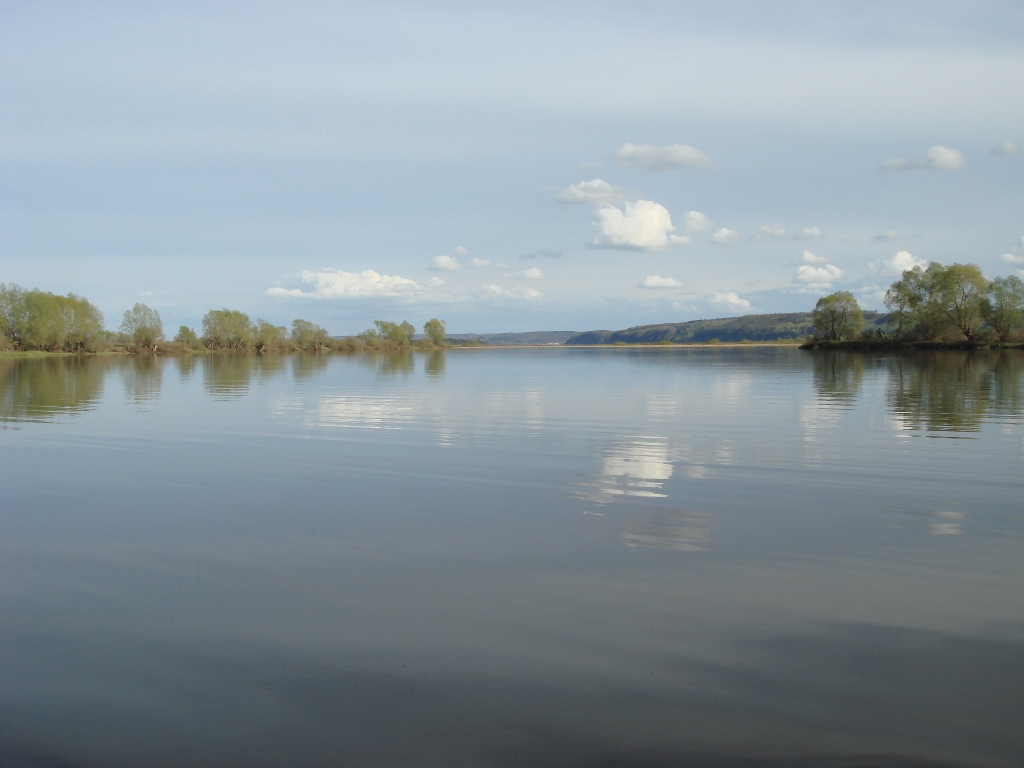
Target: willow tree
column 837, row 316
column 309, row 335
column 1004, row 306
column 267, row 336
column 227, row 328
column 142, row 325
column 434, row 330
column 961, row 291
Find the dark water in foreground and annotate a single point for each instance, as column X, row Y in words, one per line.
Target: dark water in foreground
column 733, row 557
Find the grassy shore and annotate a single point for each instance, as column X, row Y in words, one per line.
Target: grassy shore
column 886, row 345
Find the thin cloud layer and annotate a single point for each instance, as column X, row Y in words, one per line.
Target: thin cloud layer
column 938, row 158
column 335, row 284
column 1006, row 148
column 533, row 273
column 896, row 265
column 665, row 158
column 810, row 258
column 515, row 292
column 657, row 281
column 889, row 234
column 593, row 192
column 640, row 226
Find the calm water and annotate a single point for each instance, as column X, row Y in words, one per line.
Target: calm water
column 551, row 557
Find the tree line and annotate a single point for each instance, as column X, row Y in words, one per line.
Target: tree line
column 38, row 320
column 933, row 303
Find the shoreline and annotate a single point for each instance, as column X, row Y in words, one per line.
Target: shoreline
column 891, row 345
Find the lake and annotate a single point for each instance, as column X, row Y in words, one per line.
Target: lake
column 513, row 557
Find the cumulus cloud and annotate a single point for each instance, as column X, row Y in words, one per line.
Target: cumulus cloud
column 333, row 284
column 810, row 258
column 818, row 278
column 938, row 158
column 435, row 282
column 533, row 274
column 695, row 222
column 809, row 233
column 1006, row 148
column 731, row 300
column 460, row 250
column 664, row 158
column 896, row 265
column 889, row 234
column 1012, row 258
column 547, row 254
column 594, row 192
column 771, row 231
column 446, row 263
column 639, row 226
column 657, row 281
column 726, row 236
column 514, row 292
column 479, row 263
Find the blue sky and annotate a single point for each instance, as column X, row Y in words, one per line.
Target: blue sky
column 591, row 165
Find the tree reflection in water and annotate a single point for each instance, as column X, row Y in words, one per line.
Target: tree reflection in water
column 38, row 390
column 838, row 376
column 142, row 375
column 306, row 366
column 227, row 376
column 434, row 366
column 955, row 391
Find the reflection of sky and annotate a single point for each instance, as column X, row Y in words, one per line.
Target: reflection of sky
column 631, row 534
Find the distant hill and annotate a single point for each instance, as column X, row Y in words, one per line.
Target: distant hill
column 516, row 339
column 784, row 325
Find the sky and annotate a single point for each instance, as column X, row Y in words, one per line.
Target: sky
column 535, row 166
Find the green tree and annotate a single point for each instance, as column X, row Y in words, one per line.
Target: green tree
column 227, row 328
column 900, row 300
column 13, row 313
column 1004, row 306
column 267, row 335
column 399, row 334
column 837, row 316
column 434, row 330
column 187, row 336
column 309, row 335
column 142, row 325
column 961, row 290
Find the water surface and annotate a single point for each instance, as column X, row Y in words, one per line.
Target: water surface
column 549, row 557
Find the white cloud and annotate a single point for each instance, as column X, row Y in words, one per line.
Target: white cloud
column 460, row 250
column 479, row 263
column 889, row 234
column 594, row 192
column 810, row 233
column 818, row 278
column 730, row 299
column 642, row 226
column 533, row 274
column 1012, row 258
column 511, row 293
column 810, row 258
column 726, row 236
column 333, row 283
column 896, row 265
column 435, row 282
column 695, row 222
column 657, row 281
column 446, row 263
column 1006, row 148
column 938, row 158
column 662, row 158
column 776, row 231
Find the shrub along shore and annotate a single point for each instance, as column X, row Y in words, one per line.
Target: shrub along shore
column 35, row 322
